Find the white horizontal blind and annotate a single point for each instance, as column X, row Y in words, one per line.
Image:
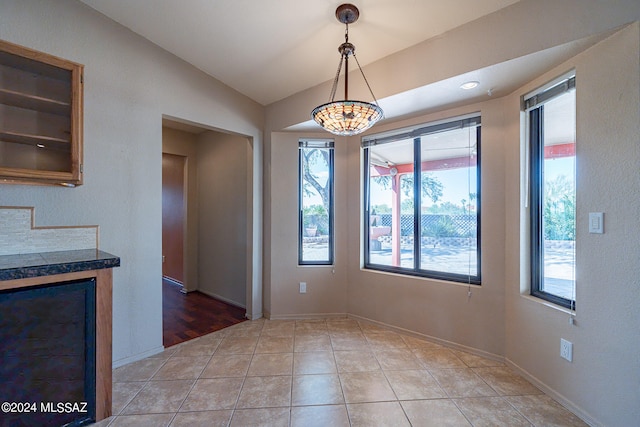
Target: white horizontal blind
column 410, row 133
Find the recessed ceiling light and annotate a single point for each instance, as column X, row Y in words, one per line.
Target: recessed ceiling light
column 469, row 85
column 40, row 145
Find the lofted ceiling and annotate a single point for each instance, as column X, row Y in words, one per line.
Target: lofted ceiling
column 271, row 49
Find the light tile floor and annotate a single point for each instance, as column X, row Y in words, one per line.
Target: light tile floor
column 333, row 372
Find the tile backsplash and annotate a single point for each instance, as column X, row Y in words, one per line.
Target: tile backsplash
column 19, row 235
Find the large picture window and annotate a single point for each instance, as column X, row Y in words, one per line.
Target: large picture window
column 422, row 201
column 551, row 121
column 315, row 225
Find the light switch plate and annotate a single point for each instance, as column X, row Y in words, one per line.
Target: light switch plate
column 596, row 222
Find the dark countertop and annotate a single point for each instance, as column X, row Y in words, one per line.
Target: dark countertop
column 21, row 266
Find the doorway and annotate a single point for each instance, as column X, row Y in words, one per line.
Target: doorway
column 206, row 195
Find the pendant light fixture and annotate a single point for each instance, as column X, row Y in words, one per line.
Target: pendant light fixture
column 347, row 117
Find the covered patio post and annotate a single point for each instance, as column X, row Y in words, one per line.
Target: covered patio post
column 395, row 221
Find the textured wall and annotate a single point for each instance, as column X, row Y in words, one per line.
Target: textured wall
column 437, row 308
column 500, row 318
column 223, row 216
column 602, row 381
column 129, row 85
column 326, row 285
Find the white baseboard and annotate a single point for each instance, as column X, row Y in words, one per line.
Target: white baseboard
column 135, row 358
column 172, row 280
column 223, row 299
column 305, row 316
column 429, row 338
column 253, row 316
column 575, row 409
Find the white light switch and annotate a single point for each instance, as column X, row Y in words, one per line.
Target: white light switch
column 596, row 222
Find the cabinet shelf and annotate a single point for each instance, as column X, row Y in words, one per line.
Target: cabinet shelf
column 37, row 140
column 40, row 118
column 33, row 102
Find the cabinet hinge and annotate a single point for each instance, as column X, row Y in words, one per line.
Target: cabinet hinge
column 81, row 78
column 81, row 168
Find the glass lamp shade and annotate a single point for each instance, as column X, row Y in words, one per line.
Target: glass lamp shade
column 347, row 118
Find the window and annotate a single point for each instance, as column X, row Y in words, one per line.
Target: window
column 315, row 225
column 422, row 201
column 551, row 121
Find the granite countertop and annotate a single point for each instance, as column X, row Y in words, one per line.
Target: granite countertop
column 21, row 266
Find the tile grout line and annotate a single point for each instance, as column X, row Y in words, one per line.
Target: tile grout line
column 337, row 329
column 244, row 379
column 344, row 398
column 115, row 416
column 195, row 381
column 398, row 401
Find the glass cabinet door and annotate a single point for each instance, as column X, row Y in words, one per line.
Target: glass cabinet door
column 40, row 118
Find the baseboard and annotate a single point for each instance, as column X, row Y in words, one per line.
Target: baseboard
column 305, row 316
column 429, row 338
column 223, row 299
column 135, row 358
column 172, row 280
column 569, row 405
column 255, row 316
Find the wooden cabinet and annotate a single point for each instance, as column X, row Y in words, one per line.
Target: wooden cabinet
column 40, row 118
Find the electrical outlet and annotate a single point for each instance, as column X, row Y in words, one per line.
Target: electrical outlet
column 566, row 349
column 303, row 287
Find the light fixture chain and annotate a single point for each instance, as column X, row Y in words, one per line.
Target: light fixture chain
column 365, row 79
column 348, row 117
column 332, row 95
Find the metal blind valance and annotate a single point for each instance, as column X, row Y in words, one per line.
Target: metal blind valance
column 411, row 133
column 550, row 93
column 315, row 143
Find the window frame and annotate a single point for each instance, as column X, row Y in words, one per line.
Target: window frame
column 320, row 144
column 533, row 104
column 416, row 134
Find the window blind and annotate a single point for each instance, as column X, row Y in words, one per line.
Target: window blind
column 411, row 133
column 545, row 95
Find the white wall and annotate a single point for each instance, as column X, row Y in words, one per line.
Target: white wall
column 222, row 212
column 326, row 285
column 126, row 93
column 602, row 381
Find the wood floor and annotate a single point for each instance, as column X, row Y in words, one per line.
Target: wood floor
column 187, row 316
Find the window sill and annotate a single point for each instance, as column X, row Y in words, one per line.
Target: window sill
column 418, row 277
column 548, row 304
column 317, row 265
